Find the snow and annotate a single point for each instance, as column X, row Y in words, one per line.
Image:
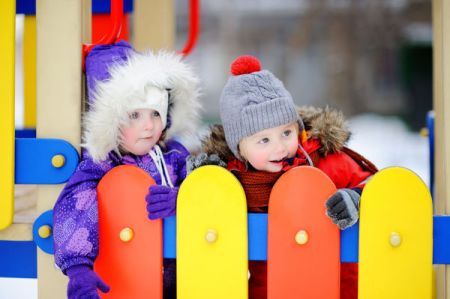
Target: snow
column 18, row 288
column 386, row 141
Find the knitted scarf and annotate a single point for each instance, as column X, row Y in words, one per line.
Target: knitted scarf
column 258, row 184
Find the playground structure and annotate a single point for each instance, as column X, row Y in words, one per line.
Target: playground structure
column 58, row 110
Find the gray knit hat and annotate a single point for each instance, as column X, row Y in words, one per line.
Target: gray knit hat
column 253, row 100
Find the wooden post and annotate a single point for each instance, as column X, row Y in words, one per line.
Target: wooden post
column 60, row 35
column 441, row 106
column 154, row 24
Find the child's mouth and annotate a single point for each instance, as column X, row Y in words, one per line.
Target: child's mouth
column 279, row 161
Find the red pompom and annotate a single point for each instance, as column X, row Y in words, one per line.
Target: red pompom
column 245, row 65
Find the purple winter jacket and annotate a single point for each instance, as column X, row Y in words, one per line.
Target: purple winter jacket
column 75, row 214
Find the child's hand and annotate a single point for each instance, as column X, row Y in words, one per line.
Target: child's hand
column 343, row 207
column 161, row 201
column 83, row 283
column 194, row 162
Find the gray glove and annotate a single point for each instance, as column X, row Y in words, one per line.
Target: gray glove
column 194, row 162
column 343, row 207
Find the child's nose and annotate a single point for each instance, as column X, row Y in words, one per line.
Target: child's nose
column 281, row 148
column 148, row 123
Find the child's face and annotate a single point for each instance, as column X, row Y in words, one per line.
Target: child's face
column 142, row 131
column 267, row 149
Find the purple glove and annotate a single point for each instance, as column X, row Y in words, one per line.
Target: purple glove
column 83, row 283
column 161, row 201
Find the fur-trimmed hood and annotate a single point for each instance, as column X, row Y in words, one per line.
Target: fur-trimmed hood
column 326, row 124
column 125, row 90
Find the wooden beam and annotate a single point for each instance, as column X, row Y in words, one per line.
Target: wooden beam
column 441, row 106
column 154, row 24
column 60, row 34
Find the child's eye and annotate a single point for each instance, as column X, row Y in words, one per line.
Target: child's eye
column 287, row 133
column 156, row 114
column 263, row 141
column 134, row 115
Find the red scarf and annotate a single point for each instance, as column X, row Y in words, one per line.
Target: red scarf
column 258, row 184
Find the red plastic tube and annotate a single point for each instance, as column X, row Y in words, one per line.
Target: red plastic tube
column 112, row 36
column 194, row 27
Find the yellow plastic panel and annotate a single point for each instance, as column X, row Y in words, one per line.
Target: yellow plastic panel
column 7, row 64
column 212, row 244
column 29, row 58
column 395, row 237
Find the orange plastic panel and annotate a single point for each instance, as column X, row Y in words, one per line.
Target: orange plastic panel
column 303, row 243
column 130, row 257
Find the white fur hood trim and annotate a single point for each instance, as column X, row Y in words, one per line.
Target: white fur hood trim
column 113, row 98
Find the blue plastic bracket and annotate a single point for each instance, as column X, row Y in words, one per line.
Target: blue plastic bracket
column 45, row 244
column 33, row 160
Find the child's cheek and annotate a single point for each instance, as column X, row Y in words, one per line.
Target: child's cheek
column 293, row 149
column 128, row 136
column 258, row 161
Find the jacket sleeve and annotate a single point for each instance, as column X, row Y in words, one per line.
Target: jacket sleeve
column 75, row 216
column 344, row 171
column 179, row 161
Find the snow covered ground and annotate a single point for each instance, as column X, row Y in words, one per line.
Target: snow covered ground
column 18, row 288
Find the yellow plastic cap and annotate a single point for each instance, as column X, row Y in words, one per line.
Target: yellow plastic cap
column 58, row 161
column 395, row 239
column 211, row 236
column 126, row 234
column 44, row 231
column 301, row 237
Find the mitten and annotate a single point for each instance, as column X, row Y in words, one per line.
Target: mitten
column 343, row 207
column 161, row 201
column 194, row 162
column 83, row 283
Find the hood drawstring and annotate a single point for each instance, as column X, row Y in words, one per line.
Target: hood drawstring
column 158, row 158
column 308, row 158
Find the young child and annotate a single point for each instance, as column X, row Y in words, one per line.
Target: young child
column 134, row 116
column 263, row 136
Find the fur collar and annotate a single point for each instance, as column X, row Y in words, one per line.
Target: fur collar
column 113, row 98
column 326, row 124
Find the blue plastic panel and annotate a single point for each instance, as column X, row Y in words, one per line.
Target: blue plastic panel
column 257, row 239
column 257, row 246
column 33, row 161
column 170, row 237
column 430, row 126
column 441, row 240
column 349, row 244
column 104, row 6
column 25, row 133
column 26, row 7
column 46, row 244
column 18, row 259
